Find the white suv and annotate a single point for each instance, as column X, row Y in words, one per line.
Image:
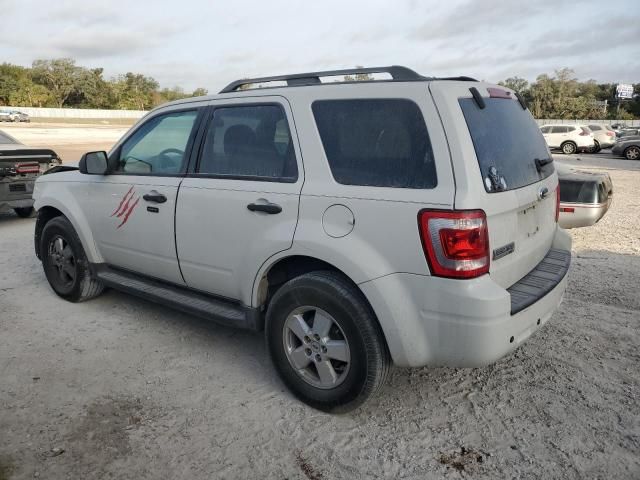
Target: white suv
column 411, row 220
column 569, row 138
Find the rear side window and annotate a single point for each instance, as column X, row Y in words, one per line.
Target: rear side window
column 595, row 127
column 510, row 148
column 250, row 142
column 376, row 142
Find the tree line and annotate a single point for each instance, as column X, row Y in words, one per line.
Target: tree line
column 562, row 96
column 61, row 83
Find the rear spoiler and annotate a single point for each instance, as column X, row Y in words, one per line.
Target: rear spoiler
column 40, row 155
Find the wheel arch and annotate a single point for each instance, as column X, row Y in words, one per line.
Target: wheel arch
column 52, row 207
column 279, row 270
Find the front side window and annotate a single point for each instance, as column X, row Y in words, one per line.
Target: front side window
column 559, row 130
column 376, row 142
column 250, row 141
column 158, row 146
column 545, row 129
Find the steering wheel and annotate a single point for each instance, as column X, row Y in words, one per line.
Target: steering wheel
column 166, row 161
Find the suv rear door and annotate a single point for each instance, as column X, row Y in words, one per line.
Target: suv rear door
column 503, row 166
column 239, row 204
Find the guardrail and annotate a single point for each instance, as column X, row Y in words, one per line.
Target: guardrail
column 77, row 113
column 547, row 121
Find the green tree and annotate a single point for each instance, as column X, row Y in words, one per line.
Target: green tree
column 60, row 76
column 517, row 84
column 134, row 91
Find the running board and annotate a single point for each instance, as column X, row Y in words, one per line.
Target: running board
column 211, row 308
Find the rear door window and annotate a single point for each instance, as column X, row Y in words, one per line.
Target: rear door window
column 376, row 142
column 511, row 151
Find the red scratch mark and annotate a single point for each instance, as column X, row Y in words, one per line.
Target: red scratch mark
column 125, row 207
column 129, row 211
column 122, row 201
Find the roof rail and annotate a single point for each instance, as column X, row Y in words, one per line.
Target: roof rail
column 398, row 74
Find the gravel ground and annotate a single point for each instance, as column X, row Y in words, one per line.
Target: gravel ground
column 122, row 388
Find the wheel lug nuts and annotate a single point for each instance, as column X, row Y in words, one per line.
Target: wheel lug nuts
column 306, row 339
column 318, row 358
column 307, row 351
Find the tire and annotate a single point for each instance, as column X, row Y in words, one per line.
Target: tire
column 358, row 371
column 597, row 147
column 24, row 212
column 569, row 148
column 65, row 263
column 632, row 153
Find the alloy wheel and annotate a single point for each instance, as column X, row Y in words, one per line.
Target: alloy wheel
column 63, row 261
column 316, row 347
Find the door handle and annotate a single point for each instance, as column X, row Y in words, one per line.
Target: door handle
column 154, row 196
column 270, row 208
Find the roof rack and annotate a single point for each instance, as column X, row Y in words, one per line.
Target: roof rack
column 398, row 74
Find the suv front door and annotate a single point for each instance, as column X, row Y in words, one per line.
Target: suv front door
column 240, row 204
column 131, row 210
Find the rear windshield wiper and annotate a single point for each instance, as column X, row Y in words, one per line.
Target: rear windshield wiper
column 540, row 163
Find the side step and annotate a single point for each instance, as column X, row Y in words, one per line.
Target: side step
column 211, row 308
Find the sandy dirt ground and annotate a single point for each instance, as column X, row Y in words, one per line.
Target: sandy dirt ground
column 69, row 141
column 122, row 388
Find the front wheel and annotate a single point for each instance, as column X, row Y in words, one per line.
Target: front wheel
column 569, row 148
column 24, row 212
column 325, row 342
column 65, row 263
column 632, row 153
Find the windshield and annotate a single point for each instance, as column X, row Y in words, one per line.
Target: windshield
column 510, row 148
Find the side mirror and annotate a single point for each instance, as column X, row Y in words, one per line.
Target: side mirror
column 94, row 163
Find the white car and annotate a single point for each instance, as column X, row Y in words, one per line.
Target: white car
column 603, row 136
column 411, row 220
column 568, row 138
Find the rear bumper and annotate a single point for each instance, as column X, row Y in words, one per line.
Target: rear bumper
column 583, row 215
column 459, row 323
column 10, row 197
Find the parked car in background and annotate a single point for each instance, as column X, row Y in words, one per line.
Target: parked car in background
column 17, row 116
column 628, row 148
column 13, row 116
column 618, row 127
column 568, row 138
column 628, row 132
column 19, row 167
column 603, row 136
column 585, row 196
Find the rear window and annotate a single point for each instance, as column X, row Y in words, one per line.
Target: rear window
column 578, row 191
column 376, row 142
column 507, row 142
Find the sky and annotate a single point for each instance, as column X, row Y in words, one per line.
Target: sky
column 209, row 43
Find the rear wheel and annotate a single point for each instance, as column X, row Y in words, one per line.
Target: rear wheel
column 632, row 153
column 325, row 342
column 569, row 148
column 65, row 263
column 24, row 212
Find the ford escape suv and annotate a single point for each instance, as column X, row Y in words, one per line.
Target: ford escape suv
column 407, row 220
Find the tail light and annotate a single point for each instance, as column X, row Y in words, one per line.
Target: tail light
column 567, row 209
column 455, row 243
column 610, row 134
column 557, row 202
column 33, row 167
column 584, row 132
